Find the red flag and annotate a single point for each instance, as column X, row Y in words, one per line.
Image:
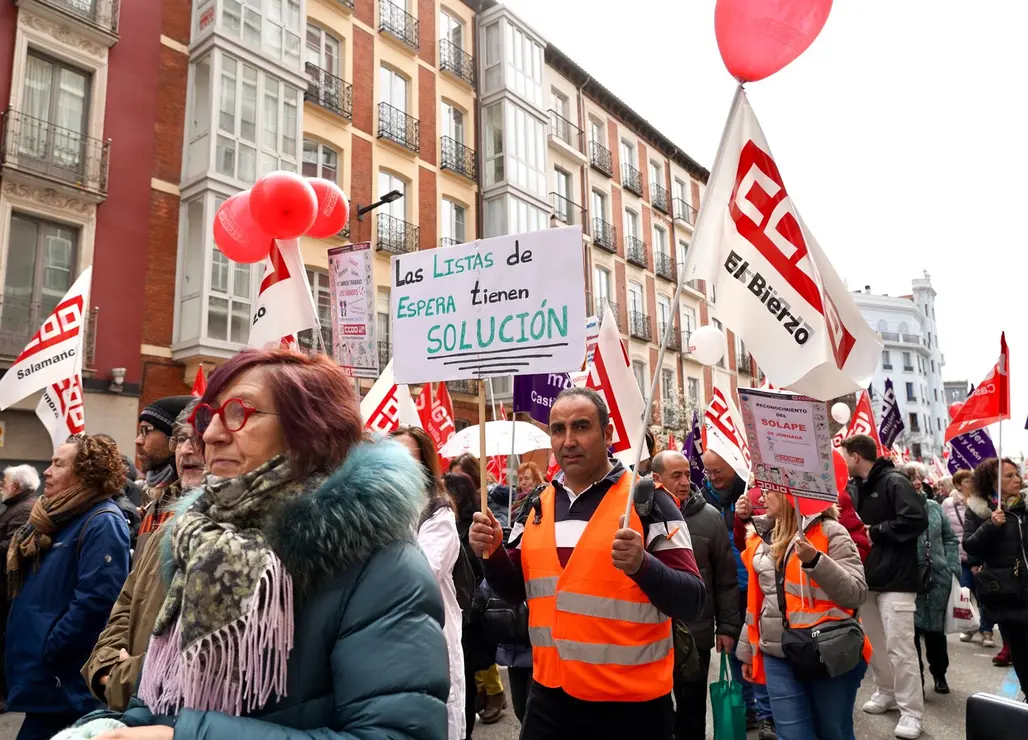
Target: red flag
column 436, row 414
column 553, row 468
column 672, row 443
column 863, row 422
column 497, row 463
column 990, row 401
column 423, row 403
column 199, row 383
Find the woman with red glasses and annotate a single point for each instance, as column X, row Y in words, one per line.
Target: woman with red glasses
column 298, row 603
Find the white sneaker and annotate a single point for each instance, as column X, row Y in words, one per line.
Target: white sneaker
column 879, row 703
column 908, row 727
column 987, row 640
column 966, row 636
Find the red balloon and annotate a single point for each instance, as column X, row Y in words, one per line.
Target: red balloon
column 333, row 208
column 842, row 471
column 759, row 37
column 283, row 204
column 236, row 233
column 954, row 408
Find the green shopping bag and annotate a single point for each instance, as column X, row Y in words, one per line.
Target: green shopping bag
column 727, row 704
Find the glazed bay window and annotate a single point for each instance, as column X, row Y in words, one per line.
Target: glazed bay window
column 524, row 69
column 270, row 26
column 494, row 169
column 257, row 117
column 40, row 268
column 526, row 150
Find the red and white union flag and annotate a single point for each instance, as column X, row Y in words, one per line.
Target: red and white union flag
column 863, row 422
column 284, row 304
column 776, row 288
column 723, row 432
column 990, row 402
column 388, row 405
column 611, row 376
column 61, row 410
column 54, row 354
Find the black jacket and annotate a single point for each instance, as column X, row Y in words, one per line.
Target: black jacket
column 716, row 561
column 896, row 516
column 1001, row 548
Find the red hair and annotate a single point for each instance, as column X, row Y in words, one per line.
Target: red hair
column 314, row 400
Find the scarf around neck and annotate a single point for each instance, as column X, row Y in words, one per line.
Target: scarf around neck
column 49, row 515
column 162, row 476
column 223, row 635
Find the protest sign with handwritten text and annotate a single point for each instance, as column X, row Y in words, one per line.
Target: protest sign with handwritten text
column 500, row 306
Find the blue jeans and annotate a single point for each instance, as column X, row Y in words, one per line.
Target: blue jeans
column 967, row 581
column 815, row 710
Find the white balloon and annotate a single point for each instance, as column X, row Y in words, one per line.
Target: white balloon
column 707, row 345
column 841, row 412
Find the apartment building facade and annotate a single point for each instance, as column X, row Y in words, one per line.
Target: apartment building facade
column 79, row 83
column 376, row 95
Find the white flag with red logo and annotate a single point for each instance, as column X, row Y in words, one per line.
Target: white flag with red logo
column 54, row 354
column 723, row 432
column 284, row 304
column 611, row 376
column 61, row 410
column 388, row 405
column 776, row 289
column 863, row 422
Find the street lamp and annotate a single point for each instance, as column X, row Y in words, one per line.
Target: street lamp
column 392, row 195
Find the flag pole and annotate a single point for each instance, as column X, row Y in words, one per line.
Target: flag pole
column 483, row 488
column 512, row 474
column 648, row 410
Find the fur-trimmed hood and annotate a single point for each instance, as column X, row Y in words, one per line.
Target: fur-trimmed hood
column 373, row 500
column 979, row 506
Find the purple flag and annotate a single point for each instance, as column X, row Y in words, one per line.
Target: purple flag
column 693, row 450
column 970, row 450
column 892, row 421
column 535, row 394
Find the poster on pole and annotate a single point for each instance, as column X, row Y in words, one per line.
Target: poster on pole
column 790, row 444
column 500, row 306
column 352, row 293
column 592, row 336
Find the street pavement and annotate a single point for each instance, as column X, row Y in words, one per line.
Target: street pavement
column 970, row 671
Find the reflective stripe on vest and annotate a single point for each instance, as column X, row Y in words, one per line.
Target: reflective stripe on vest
column 594, row 632
column 806, row 604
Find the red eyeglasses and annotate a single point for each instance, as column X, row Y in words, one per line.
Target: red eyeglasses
column 234, row 413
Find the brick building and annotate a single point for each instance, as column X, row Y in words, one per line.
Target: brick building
column 79, row 87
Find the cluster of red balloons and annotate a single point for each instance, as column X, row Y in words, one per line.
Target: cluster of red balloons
column 759, row 37
column 281, row 205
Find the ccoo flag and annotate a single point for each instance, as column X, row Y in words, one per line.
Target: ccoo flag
column 781, row 294
column 990, row 401
column 61, row 410
column 892, row 422
column 388, row 405
column 54, row 354
column 723, row 432
column 284, row 304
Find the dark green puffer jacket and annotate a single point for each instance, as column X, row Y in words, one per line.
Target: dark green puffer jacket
column 369, row 659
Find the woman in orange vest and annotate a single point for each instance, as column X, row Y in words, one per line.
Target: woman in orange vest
column 813, row 657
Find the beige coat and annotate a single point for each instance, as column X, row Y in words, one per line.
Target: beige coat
column 128, row 628
column 837, row 576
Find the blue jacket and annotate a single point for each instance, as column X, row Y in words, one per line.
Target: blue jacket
column 62, row 608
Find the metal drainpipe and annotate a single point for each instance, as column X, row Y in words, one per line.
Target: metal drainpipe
column 479, row 135
column 586, row 223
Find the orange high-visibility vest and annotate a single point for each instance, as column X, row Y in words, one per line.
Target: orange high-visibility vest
column 594, row 632
column 806, row 604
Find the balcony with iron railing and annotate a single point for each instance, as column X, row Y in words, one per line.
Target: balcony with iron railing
column 385, row 353
column 565, row 131
column 449, row 241
column 328, row 91
column 684, row 211
column 566, row 211
column 458, row 158
column 664, row 267
column 457, row 62
column 396, row 236
column 598, row 310
column 605, row 236
column 639, row 325
column 22, row 317
column 659, row 198
column 398, row 127
column 468, row 387
column 635, row 251
column 631, row 179
column 601, row 159
column 348, row 4
column 60, row 155
column 398, row 23
column 98, row 18
column 674, row 342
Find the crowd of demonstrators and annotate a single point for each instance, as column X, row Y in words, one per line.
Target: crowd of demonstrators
column 996, row 544
column 530, row 477
column 938, row 560
column 20, row 489
column 895, row 516
column 955, row 508
column 113, row 668
column 719, row 624
column 723, row 488
column 161, row 485
column 65, row 566
column 438, row 539
column 580, row 566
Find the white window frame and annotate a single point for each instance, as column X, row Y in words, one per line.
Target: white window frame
column 448, row 116
column 631, row 223
column 633, row 304
column 324, row 37
column 261, row 20
column 660, row 240
column 319, row 163
column 629, row 153
column 600, row 205
column 452, row 213
column 398, row 208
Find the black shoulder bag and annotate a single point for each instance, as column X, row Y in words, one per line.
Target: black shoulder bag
column 826, row 650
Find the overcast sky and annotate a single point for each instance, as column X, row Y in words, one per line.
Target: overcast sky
column 900, row 134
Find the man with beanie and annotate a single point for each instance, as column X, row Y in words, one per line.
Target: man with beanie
column 153, row 447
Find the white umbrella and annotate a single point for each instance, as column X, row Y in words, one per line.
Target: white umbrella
column 501, row 438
